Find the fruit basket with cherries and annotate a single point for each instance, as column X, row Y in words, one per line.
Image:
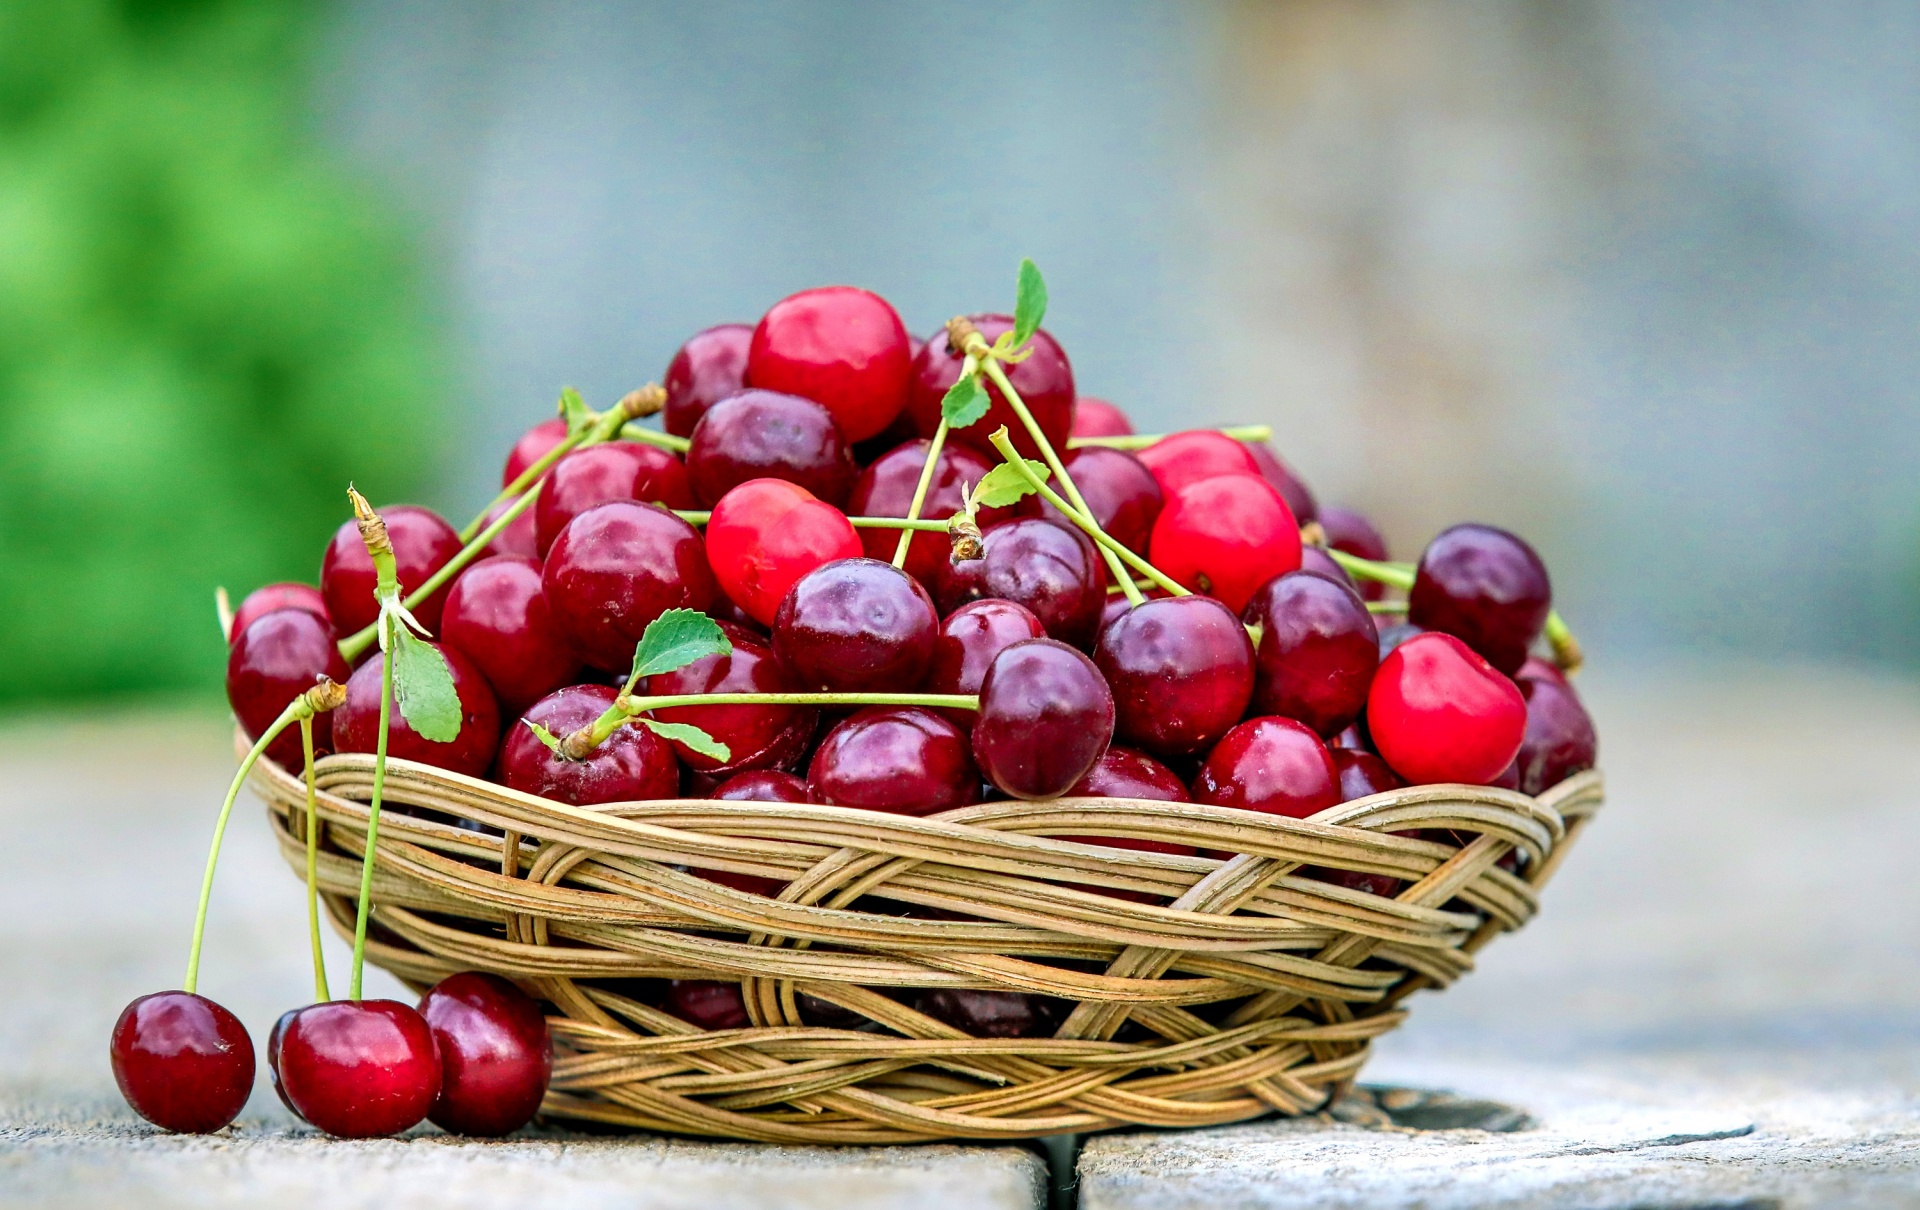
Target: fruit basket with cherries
column 892, row 746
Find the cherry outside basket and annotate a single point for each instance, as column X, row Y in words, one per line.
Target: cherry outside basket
column 1255, row 990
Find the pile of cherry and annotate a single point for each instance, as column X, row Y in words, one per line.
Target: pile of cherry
column 1171, row 618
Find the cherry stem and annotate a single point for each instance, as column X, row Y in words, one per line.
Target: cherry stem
column 1394, row 575
column 1386, row 607
column 320, row 993
column 1566, row 648
column 1140, row 441
column 223, row 610
column 373, row 810
column 920, row 491
column 694, row 516
column 626, row 708
column 647, row 436
column 525, row 480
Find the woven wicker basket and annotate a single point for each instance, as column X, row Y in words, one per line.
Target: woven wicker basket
column 576, row 903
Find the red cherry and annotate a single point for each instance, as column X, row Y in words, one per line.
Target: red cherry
column 1438, row 712
column 1486, row 587
column 422, row 545
column 495, row 1054
column 763, row 785
column 1351, row 533
column 631, row 765
column 356, row 724
column 709, row 367
column 969, row 639
column 900, row 759
column 1098, row 418
column 1044, row 381
column 1362, row 773
column 360, row 1070
column 1560, row 739
column 1270, row 764
column 1181, row 670
column 273, row 1058
column 1320, row 563
column 1049, row 569
column 767, row 435
column 497, row 617
column 617, row 470
column 1537, row 669
column 1120, row 492
column 708, row 1004
column 279, row 656
column 841, row 347
column 1226, row 536
column 991, row 1014
column 1292, row 488
column 1125, row 773
column 520, row 539
column 885, row 489
column 1318, row 650
column 767, row 533
column 856, row 626
column 1182, row 458
column 617, row 567
column 532, row 446
column 1046, row 715
column 182, row 1062
column 757, row 736
column 277, row 596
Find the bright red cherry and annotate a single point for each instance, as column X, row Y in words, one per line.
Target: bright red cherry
column 1485, row 587
column 422, row 545
column 1181, row 670
column 532, row 446
column 1052, row 571
column 856, row 626
column 360, row 1070
column 616, row 470
column 1046, row 715
column 886, row 488
column 1438, row 712
column 767, row 533
column 709, row 367
column 497, row 617
column 1098, row 418
column 763, row 785
column 1226, row 536
column 707, row 1003
column 841, row 347
column 1182, row 458
column 969, row 639
column 1292, row 488
column 1560, row 739
column 767, row 435
column 900, row 759
column 278, row 657
column 632, row 765
column 183, row 1062
column 1318, row 650
column 1351, row 533
column 266, row 599
column 1120, row 492
column 757, row 736
column 495, row 1054
column 520, row 539
column 617, row 567
column 1044, row 381
column 991, row 1014
column 356, row 724
column 1269, row 764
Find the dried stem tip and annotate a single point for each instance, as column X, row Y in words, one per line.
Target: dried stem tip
column 1311, row 534
column 959, row 330
column 327, row 694
column 373, row 531
column 642, row 401
column 964, row 533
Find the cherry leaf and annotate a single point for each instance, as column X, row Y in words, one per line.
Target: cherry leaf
column 965, row 402
column 423, row 688
column 1004, row 484
column 1030, row 302
column 691, row 736
column 675, row 639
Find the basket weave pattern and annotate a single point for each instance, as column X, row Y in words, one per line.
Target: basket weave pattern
column 577, row 902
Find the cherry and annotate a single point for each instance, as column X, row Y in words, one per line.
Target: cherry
column 1043, row 566
column 616, row 470
column 767, row 533
column 1438, row 712
column 900, row 759
column 1485, row 587
column 356, row 724
column 495, row 1054
column 277, row 596
column 422, row 545
column 1354, row 737
column 901, row 431
column 1046, row 715
column 707, row 1003
column 1182, row 458
column 1044, row 381
column 886, row 489
column 520, row 538
column 182, row 1062
column 762, row 785
column 497, row 617
column 709, row 367
column 1270, row 764
column 1285, row 480
column 757, row 736
column 273, row 1059
column 631, row 765
column 1363, row 773
column 1392, row 636
column 617, row 567
column 1098, row 418
column 1320, row 563
column 767, row 435
column 360, row 1069
column 1120, row 492
column 1560, row 739
column 1537, row 669
column 1124, row 773
column 1226, row 536
column 856, row 625
column 1117, row 605
column 969, row 639
column 1318, row 650
column 1350, row 533
column 990, row 1014
column 1181, row 670
column 532, row 446
column 840, row 346
column 279, row 656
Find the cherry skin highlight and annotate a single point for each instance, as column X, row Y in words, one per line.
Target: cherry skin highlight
column 840, row 346
column 1225, row 537
column 767, row 533
column 885, row 489
column 856, row 625
column 1438, row 712
column 617, row 567
column 1053, row 572
column 1046, row 715
column 1318, row 650
column 497, row 617
column 182, row 1062
column 900, row 759
column 1351, row 533
column 756, row 736
column 422, row 545
column 1181, row 670
column 632, row 765
column 767, row 435
column 1098, row 418
column 356, row 724
column 360, row 1070
column 495, row 1054
column 1044, row 381
column 969, row 639
column 278, row 657
column 532, row 446
column 1560, row 739
column 1485, row 587
column 709, row 367
column 1271, row 764
column 1285, row 480
column 615, row 470
column 1121, row 494
column 1362, row 773
column 265, row 600
column 1179, row 459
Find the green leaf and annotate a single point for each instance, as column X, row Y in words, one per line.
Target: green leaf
column 423, row 688
column 965, row 402
column 677, row 638
column 1004, row 484
column 545, row 736
column 574, row 409
column 1030, row 302
column 690, row 735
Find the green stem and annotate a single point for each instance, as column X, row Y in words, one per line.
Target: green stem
column 320, row 993
column 646, row 436
column 1394, row 575
column 626, row 707
column 920, row 492
column 1386, row 607
column 373, row 809
column 1140, row 441
column 526, row 479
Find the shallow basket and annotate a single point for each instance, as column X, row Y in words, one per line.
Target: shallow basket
column 577, row 904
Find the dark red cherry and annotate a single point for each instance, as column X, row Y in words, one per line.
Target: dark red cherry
column 1181, row 671
column 1351, row 533
column 756, row 736
column 1046, row 715
column 265, row 600
column 519, row 539
column 1179, row 459
column 422, row 545
column 1318, row 650
column 616, row 568
column 532, row 446
column 1285, row 480
column 1269, row 764
column 1226, row 536
column 1354, row 737
column 1053, row 572
column 495, row 1054
column 709, row 367
column 767, row 435
column 273, row 1058
column 356, row 724
column 616, row 470
column 901, row 431
column 969, row 639
column 1124, row 773
column 1118, row 604
column 767, row 533
column 1537, row 669
column 1320, row 563
column 182, row 1062
column 360, row 1070
column 856, row 626
column 1097, row 418
column 1044, row 381
column 278, row 657
column 901, row 759
column 1438, row 712
column 990, row 1014
column 1560, row 739
column 886, row 489
column 762, row 785
column 1485, row 587
column 497, row 617
column 1392, row 636
column 632, row 765
column 1362, row 773
column 1120, row 492
column 708, row 1004
column 840, row 346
